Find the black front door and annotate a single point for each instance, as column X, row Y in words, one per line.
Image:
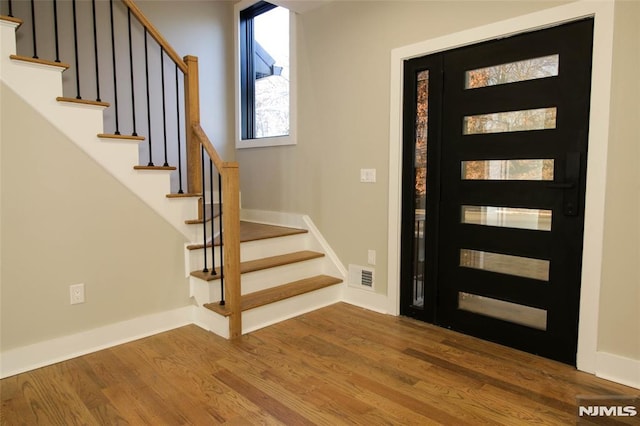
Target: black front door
column 494, row 233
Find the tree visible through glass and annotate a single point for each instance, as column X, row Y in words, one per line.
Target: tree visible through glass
column 512, row 72
column 420, row 187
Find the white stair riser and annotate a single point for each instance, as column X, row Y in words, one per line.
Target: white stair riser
column 198, row 233
column 249, row 250
column 212, row 322
column 8, row 37
column 204, row 291
column 260, row 280
column 273, row 313
column 189, row 209
column 252, row 250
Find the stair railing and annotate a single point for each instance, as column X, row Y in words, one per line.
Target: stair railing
column 105, row 41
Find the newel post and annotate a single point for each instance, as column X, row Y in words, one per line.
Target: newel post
column 192, row 116
column 231, row 226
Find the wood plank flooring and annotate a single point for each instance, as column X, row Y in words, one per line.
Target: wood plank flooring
column 338, row 365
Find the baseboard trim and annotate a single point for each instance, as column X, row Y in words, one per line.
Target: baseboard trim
column 30, row 357
column 366, row 299
column 618, row 369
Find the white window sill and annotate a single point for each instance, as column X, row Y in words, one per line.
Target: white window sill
column 265, row 142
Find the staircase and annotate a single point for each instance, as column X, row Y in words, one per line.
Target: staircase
column 285, row 270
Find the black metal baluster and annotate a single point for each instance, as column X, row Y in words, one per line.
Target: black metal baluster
column 11, row 8
column 222, row 302
column 95, row 49
column 204, row 213
column 146, row 68
column 55, row 29
column 133, row 91
column 115, row 73
column 164, row 107
column 178, row 127
column 75, row 46
column 213, row 233
column 33, row 29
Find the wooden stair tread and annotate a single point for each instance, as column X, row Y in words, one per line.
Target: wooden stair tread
column 154, row 167
column 123, row 137
column 40, row 61
column 185, row 195
column 11, row 19
column 207, row 214
column 82, row 101
column 263, row 263
column 275, row 294
column 252, row 231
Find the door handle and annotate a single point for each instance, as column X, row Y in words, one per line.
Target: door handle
column 570, row 188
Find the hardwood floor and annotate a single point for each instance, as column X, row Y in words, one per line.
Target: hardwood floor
column 338, row 365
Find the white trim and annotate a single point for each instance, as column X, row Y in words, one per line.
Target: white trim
column 25, row 358
column 602, row 11
column 367, row 299
column 292, row 137
column 618, row 369
column 326, row 248
column 273, row 313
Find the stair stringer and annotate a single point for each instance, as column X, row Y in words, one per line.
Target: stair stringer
column 39, row 86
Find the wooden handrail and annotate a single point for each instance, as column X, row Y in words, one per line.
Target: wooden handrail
column 208, row 146
column 153, row 31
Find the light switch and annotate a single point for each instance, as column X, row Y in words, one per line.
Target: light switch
column 368, row 175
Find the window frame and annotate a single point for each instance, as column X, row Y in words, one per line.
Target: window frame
column 252, row 8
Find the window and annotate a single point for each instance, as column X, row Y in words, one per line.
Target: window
column 265, row 92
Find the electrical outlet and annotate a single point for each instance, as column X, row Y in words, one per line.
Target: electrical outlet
column 76, row 293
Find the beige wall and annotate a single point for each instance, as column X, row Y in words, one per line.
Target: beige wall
column 620, row 292
column 64, row 220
